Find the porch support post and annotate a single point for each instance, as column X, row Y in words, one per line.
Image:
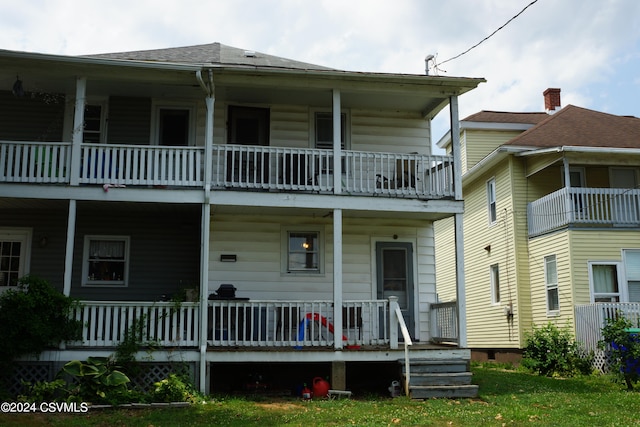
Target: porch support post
column 68, row 255
column 206, row 229
column 337, row 279
column 204, row 294
column 458, row 223
column 337, row 143
column 568, row 205
column 78, row 127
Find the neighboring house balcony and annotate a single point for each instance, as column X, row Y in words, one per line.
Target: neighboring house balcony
column 590, row 207
column 254, row 168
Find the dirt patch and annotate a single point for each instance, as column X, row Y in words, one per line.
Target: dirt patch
column 280, row 406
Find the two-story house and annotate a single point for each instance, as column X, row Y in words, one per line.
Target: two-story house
column 551, row 225
column 292, row 204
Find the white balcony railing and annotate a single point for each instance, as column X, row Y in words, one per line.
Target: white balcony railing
column 234, row 323
column 589, row 206
column 142, row 165
column 34, row 162
column 233, row 166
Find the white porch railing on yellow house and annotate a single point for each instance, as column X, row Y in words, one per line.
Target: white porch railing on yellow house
column 591, row 318
column 590, row 206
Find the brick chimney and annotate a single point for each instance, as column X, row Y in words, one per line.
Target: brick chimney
column 551, row 100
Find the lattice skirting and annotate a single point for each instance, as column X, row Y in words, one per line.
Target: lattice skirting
column 147, row 374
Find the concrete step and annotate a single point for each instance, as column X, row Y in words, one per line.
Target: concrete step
column 436, row 379
column 428, row 392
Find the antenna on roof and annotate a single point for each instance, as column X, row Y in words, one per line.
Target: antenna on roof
column 426, row 63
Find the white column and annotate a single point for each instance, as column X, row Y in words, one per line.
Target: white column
column 204, row 243
column 78, row 127
column 337, row 143
column 68, row 255
column 568, row 203
column 337, row 278
column 458, row 222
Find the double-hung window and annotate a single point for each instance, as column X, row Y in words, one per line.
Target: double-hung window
column 491, row 200
column 605, row 285
column 631, row 259
column 323, row 136
column 551, row 282
column 106, row 260
column 14, row 255
column 303, row 251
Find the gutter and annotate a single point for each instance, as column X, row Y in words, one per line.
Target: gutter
column 578, row 149
column 490, row 160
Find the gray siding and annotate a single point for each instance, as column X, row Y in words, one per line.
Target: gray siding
column 33, row 117
column 129, row 120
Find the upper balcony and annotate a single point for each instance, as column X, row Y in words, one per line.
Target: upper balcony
column 254, row 168
column 602, row 207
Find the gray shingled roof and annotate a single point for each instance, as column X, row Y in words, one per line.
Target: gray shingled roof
column 485, row 116
column 212, row 54
column 581, row 127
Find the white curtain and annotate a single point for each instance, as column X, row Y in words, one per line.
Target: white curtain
column 107, row 249
column 605, row 279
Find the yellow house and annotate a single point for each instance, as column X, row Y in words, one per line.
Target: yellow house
column 551, row 224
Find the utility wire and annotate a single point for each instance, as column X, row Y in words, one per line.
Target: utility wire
column 489, row 36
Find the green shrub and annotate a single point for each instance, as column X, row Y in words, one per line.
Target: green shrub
column 34, row 317
column 174, row 388
column 97, row 380
column 552, row 351
column 624, row 349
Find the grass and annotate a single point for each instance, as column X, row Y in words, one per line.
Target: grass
column 507, row 398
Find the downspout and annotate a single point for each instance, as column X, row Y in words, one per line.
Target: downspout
column 209, row 89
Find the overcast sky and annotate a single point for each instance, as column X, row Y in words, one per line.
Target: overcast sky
column 588, row 48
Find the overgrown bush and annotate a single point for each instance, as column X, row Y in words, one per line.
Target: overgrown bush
column 552, row 351
column 97, row 380
column 174, row 388
column 34, row 317
column 624, row 349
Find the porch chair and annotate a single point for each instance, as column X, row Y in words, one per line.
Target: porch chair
column 287, row 323
column 404, row 176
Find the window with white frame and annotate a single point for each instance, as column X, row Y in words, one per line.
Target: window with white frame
column 14, row 255
column 94, row 123
column 631, row 259
column 551, row 282
column 605, row 286
column 322, row 126
column 495, row 283
column 491, row 200
column 303, row 251
column 106, row 260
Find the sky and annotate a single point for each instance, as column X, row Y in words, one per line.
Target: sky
column 590, row 49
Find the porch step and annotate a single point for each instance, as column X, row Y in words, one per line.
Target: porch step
column 448, row 378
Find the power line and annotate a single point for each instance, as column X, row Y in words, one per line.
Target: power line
column 488, row 37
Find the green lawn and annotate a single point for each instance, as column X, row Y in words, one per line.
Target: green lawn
column 507, row 398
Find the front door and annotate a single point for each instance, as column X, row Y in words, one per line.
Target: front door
column 394, row 261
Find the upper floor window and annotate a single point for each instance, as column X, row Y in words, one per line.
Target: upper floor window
column 106, row 260
column 495, row 284
column 14, row 255
column 248, row 126
column 94, row 123
column 491, row 200
column 174, row 124
column 323, row 130
column 551, row 282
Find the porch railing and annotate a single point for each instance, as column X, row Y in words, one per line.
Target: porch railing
column 296, row 323
column 34, row 162
column 233, row 166
column 591, row 318
column 444, row 322
column 142, row 165
column 161, row 324
column 589, row 206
